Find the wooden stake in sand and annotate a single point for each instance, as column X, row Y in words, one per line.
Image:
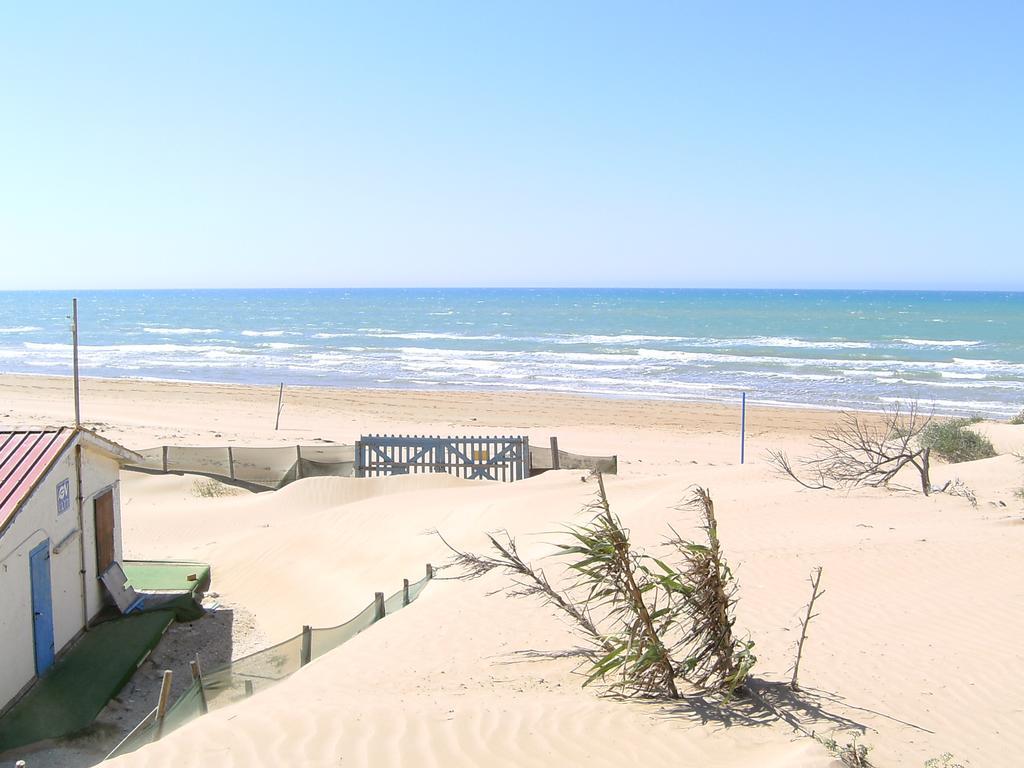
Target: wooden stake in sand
column 306, row 649
column 280, row 406
column 555, row 463
column 743, row 428
column 161, row 707
column 197, row 677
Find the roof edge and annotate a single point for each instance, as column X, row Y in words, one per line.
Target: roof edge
column 108, row 446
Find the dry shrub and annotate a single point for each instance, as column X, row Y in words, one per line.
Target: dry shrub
column 861, row 450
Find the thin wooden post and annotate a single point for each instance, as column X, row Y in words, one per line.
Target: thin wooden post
column 555, row 463
column 298, row 462
column 357, row 467
column 231, row 463
column 405, row 591
column 306, row 652
column 430, row 571
column 197, row 678
column 378, row 606
column 161, row 707
column 280, row 397
column 743, row 427
column 163, row 460
column 248, row 688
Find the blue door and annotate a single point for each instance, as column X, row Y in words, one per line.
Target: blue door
column 42, row 606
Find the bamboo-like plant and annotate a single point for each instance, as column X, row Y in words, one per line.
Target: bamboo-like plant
column 714, row 659
column 650, row 623
column 639, row 605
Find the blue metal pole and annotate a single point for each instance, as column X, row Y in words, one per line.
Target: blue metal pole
column 743, row 428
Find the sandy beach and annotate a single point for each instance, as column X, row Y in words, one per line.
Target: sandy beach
column 915, row 646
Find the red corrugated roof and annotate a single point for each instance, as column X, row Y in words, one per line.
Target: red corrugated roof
column 24, row 459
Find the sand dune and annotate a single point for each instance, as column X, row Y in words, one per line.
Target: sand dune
column 893, row 644
column 916, row 640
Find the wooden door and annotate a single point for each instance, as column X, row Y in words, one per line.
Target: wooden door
column 103, row 508
column 42, row 606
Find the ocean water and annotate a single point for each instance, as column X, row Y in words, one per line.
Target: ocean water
column 955, row 352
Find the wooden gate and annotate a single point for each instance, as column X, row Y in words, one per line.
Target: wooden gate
column 486, row 458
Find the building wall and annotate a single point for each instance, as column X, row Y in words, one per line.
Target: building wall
column 37, row 521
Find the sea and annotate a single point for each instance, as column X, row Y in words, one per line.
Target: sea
column 952, row 352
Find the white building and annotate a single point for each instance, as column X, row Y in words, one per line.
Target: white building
column 60, row 528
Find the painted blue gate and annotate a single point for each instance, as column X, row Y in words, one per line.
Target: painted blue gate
column 42, row 606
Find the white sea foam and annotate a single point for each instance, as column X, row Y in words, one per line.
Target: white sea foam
column 272, row 334
column 21, row 329
column 180, row 331
column 429, row 335
column 952, row 375
column 604, row 339
column 785, row 342
column 962, row 406
column 939, row 343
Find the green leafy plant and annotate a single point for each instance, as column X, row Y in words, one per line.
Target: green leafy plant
column 650, row 624
column 954, row 442
column 714, row 659
column 1018, row 419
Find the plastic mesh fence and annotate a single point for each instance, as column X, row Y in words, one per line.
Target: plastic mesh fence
column 243, row 677
column 274, row 467
column 269, row 467
column 330, row 638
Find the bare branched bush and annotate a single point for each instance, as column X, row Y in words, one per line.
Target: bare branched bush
column 957, row 487
column 816, row 593
column 649, row 623
column 862, row 450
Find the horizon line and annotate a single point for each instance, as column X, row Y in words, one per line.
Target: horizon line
column 519, row 288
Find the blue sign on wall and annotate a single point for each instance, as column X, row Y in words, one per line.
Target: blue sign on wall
column 63, row 496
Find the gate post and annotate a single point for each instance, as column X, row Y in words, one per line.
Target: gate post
column 357, row 467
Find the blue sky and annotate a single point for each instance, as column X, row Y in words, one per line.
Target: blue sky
column 752, row 144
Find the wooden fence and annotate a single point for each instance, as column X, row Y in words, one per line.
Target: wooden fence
column 487, row 458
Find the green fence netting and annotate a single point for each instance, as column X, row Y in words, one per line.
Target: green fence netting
column 274, row 467
column 270, row 467
column 239, row 679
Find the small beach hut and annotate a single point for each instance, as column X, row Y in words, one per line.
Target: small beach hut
column 60, row 528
